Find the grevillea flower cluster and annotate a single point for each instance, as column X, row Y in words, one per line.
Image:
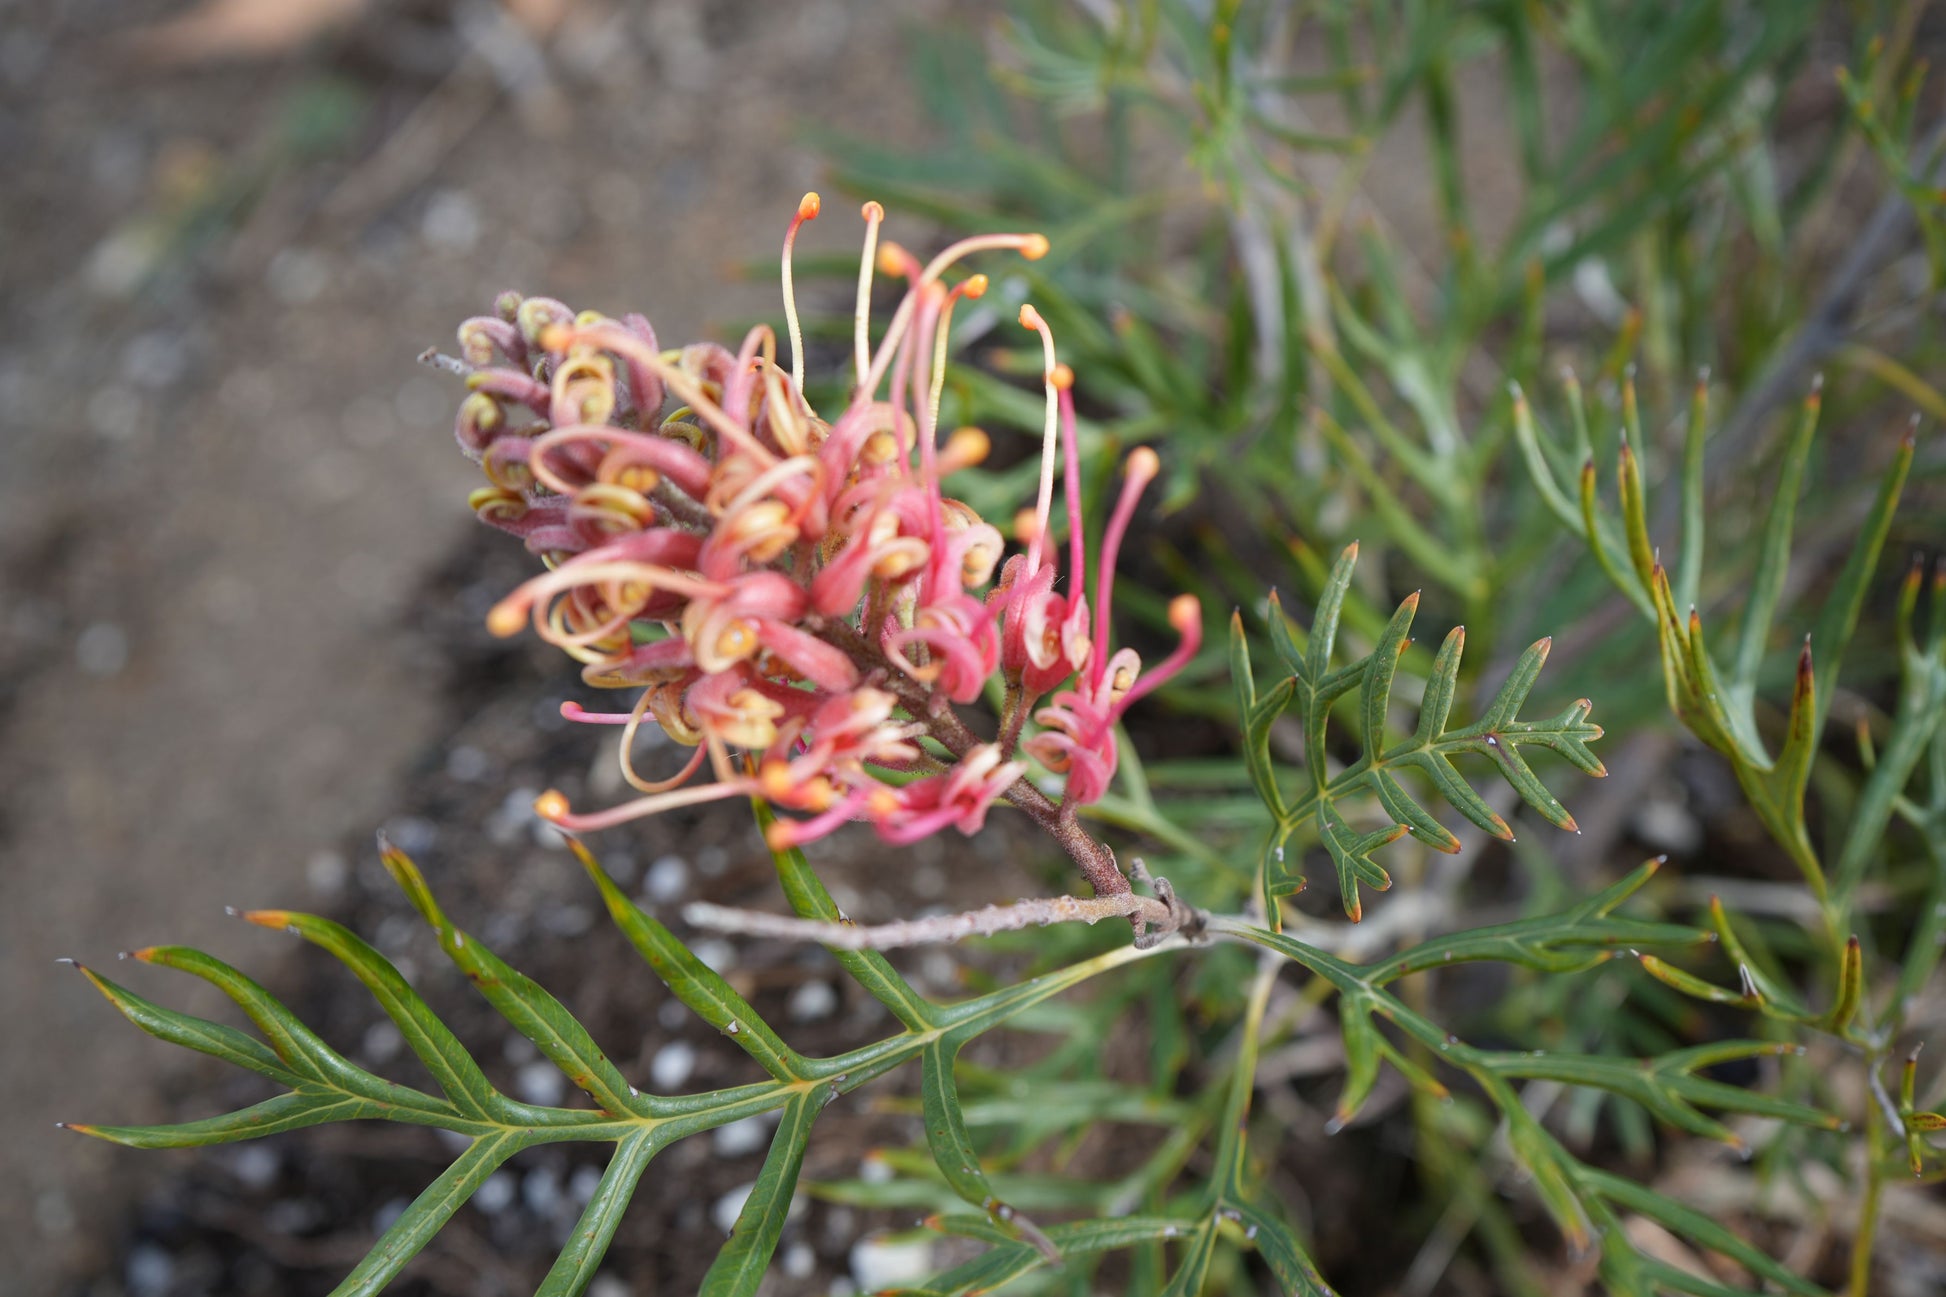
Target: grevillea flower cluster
column 798, row 599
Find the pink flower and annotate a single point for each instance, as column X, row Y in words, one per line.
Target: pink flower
column 799, row 601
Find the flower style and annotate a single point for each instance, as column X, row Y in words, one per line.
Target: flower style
column 798, row 600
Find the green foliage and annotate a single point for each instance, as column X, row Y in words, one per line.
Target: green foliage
column 1716, row 703
column 320, row 1085
column 1312, row 689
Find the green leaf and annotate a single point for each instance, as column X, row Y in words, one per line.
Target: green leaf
column 306, row 1107
column 1686, row 1222
column 695, row 983
column 952, row 1144
column 199, row 1034
column 1774, row 556
column 428, row 1214
column 739, row 1268
column 1192, row 1272
column 533, row 1012
column 575, row 1268
column 868, row 968
column 1278, row 1245
column 1324, row 626
column 465, row 1086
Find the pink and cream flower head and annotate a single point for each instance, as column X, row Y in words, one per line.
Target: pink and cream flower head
column 798, row 600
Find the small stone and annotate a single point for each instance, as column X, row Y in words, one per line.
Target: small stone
column 666, row 880
column 497, row 1194
column 149, row 1272
column 719, row 955
column 878, row 1263
column 540, row 1191
column 811, row 1002
column 540, row 1083
column 452, row 221
column 727, row 1208
column 388, row 1214
column 742, row 1137
column 671, row 1066
column 326, row 872
column 102, row 650
column 608, row 1285
column 799, row 1261
column 583, row 1183
column 381, row 1042
column 467, row 764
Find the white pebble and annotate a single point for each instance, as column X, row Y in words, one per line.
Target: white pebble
column 255, row 1166
column 799, row 1261
column 541, row 1191
column 583, row 1183
column 876, row 1263
column 741, row 1137
column 730, row 1205
column 382, row 1042
column 812, row 1001
column 102, row 649
column 326, row 872
column 540, row 1083
column 150, row 1271
column 671, row 1066
column 719, row 955
column 496, row 1195
column 667, row 879
column 608, row 1286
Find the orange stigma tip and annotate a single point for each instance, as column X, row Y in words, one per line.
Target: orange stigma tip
column 1034, row 247
column 551, row 805
column 1061, row 376
column 1027, row 525
column 778, row 836
column 974, row 287
column 1030, row 318
column 505, row 619
column 872, row 211
column 1185, row 610
column 809, row 206
column 774, row 782
column 891, row 259
column 968, row 446
column 1143, row 463
column 553, row 337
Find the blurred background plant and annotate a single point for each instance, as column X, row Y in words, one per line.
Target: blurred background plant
column 1329, row 258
